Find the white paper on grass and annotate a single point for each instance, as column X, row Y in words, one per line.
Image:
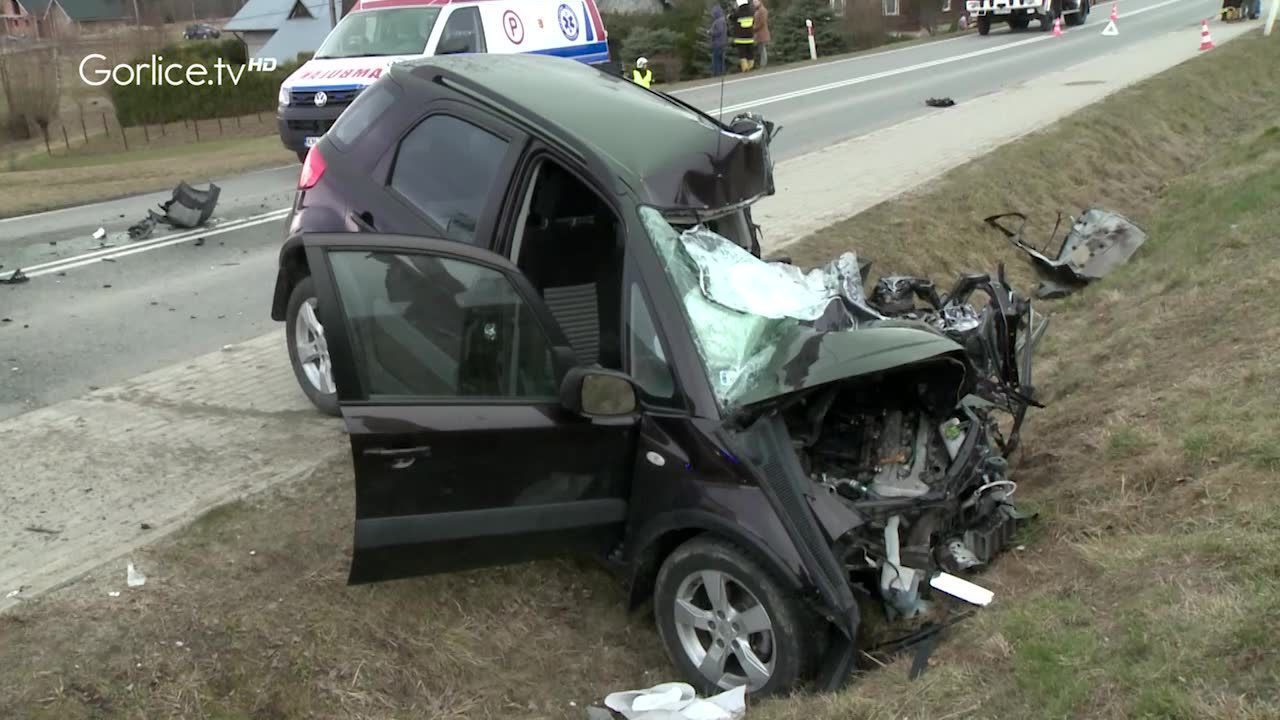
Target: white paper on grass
column 677, row 701
column 961, row 588
column 133, row 577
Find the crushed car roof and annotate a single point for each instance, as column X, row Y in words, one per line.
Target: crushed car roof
column 670, row 154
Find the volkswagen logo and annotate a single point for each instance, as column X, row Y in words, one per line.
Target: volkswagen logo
column 321, row 99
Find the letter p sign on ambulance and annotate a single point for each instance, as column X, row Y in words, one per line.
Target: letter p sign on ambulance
column 513, row 26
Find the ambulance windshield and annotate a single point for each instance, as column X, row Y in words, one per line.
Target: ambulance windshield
column 389, row 31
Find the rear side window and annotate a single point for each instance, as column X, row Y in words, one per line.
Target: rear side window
column 358, row 116
column 447, row 168
column 463, row 33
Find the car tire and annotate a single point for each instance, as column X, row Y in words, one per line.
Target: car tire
column 302, row 155
column 1019, row 23
column 984, row 25
column 310, row 374
column 786, row 649
column 1078, row 17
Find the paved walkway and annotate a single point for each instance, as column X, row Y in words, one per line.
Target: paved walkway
column 80, row 478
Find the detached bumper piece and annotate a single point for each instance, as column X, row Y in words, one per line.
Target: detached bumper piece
column 1099, row 241
column 188, row 208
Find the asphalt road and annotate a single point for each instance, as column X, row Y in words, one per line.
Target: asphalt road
column 94, row 316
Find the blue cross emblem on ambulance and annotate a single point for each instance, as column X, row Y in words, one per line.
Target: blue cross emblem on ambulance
column 568, row 22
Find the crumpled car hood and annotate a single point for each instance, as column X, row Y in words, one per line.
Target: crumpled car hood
column 806, row 358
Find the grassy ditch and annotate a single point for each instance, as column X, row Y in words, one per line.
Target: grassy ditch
column 103, row 170
column 1148, row 589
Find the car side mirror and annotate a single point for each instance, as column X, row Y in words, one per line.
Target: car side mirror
column 596, row 392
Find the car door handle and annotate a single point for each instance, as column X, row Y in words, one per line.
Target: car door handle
column 420, row 451
column 400, row 458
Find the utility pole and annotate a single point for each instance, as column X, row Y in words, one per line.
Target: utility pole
column 333, row 14
column 1271, row 17
column 137, row 16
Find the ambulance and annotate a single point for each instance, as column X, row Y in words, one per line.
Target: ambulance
column 377, row 33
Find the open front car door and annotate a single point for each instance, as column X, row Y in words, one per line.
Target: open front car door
column 449, row 369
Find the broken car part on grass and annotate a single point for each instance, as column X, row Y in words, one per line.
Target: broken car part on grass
column 763, row 452
column 1099, row 241
column 187, row 208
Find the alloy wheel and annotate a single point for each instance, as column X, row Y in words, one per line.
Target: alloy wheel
column 724, row 630
column 313, row 349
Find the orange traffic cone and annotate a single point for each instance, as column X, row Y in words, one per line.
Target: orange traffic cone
column 1057, row 27
column 1115, row 12
column 1206, row 42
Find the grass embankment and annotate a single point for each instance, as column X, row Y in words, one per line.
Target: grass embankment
column 103, row 169
column 1150, row 587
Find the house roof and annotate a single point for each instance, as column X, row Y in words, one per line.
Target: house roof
column 272, row 14
column 85, row 10
column 670, row 154
column 296, row 36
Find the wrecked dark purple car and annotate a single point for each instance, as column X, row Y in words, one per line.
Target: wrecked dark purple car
column 533, row 292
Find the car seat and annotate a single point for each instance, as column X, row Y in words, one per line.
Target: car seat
column 571, row 255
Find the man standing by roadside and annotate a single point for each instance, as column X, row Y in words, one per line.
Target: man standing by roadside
column 744, row 34
column 642, row 75
column 762, row 33
column 718, row 34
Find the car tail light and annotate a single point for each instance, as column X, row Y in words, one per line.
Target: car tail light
column 312, row 169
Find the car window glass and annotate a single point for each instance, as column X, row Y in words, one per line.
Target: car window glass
column 430, row 327
column 380, row 32
column 463, row 33
column 648, row 363
column 447, row 168
column 357, row 118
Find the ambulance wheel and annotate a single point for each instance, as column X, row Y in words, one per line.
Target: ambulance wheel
column 984, row 25
column 1019, row 23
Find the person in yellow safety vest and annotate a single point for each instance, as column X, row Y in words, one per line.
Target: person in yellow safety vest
column 642, row 75
column 744, row 34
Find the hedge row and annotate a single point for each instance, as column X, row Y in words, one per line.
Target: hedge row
column 142, row 102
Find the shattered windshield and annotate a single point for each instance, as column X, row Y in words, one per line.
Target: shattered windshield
column 747, row 315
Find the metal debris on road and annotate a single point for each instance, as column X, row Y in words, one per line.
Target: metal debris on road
column 188, row 208
column 41, row 530
column 1099, row 241
column 142, row 229
column 99, row 233
column 133, row 577
column 15, row 278
column 114, row 593
column 944, row 102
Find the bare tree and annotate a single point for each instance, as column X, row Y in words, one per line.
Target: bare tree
column 30, row 85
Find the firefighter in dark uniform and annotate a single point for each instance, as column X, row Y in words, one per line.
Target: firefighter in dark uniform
column 744, row 34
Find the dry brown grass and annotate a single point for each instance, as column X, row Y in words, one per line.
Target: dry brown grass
column 1150, row 587
column 99, row 173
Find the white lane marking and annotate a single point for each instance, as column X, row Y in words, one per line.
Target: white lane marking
column 79, row 261
column 59, row 211
column 909, row 68
column 715, row 85
column 147, row 243
column 880, row 75
column 833, row 63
